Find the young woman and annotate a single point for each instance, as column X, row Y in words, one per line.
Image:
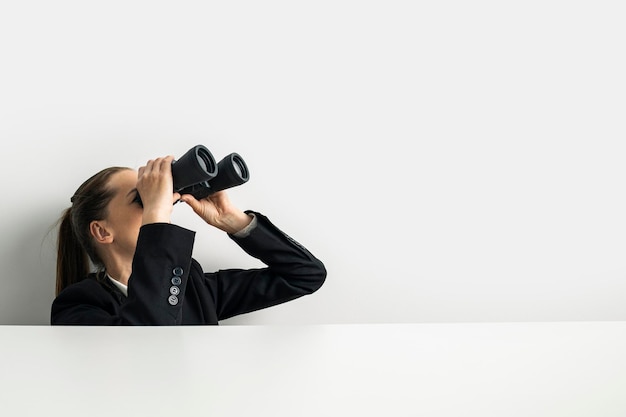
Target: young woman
column 145, row 271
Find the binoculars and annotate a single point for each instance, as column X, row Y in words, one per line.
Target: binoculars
column 197, row 173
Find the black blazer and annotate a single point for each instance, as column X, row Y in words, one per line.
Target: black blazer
column 168, row 287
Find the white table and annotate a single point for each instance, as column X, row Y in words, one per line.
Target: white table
column 503, row 370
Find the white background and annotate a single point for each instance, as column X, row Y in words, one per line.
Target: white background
column 448, row 160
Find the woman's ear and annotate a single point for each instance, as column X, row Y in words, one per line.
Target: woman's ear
column 100, row 233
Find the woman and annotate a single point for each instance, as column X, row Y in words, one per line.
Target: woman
column 145, row 272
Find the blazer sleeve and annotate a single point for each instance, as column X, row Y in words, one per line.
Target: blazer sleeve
column 292, row 271
column 163, row 254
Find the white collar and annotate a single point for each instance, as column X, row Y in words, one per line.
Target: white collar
column 123, row 288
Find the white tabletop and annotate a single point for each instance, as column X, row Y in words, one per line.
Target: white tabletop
column 503, row 370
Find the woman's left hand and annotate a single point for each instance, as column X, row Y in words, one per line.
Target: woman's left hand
column 218, row 211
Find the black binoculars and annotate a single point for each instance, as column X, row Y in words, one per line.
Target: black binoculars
column 197, row 173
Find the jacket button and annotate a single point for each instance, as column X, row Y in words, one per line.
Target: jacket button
column 174, row 290
column 176, row 281
column 178, row 271
column 173, row 300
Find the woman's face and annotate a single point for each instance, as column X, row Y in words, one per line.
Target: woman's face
column 124, row 212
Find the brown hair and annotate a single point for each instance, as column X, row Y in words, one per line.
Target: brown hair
column 75, row 246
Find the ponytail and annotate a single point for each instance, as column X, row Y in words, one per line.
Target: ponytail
column 72, row 259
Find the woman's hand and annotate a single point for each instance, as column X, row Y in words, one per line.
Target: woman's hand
column 155, row 185
column 218, row 211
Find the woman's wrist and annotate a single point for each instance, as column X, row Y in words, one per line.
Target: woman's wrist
column 233, row 222
column 156, row 216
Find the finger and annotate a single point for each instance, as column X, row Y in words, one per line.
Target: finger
column 148, row 167
column 191, row 201
column 166, row 164
column 157, row 164
column 219, row 198
column 163, row 164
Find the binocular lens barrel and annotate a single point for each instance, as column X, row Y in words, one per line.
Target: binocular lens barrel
column 231, row 171
column 195, row 166
column 240, row 167
column 206, row 161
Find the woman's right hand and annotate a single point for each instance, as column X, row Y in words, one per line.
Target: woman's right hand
column 155, row 185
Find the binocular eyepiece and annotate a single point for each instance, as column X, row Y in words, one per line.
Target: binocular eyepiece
column 197, row 173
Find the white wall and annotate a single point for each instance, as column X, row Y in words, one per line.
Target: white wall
column 448, row 161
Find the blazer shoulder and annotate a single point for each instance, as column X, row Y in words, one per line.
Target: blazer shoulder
column 88, row 287
column 82, row 297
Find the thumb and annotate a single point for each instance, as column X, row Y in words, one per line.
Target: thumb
column 191, row 202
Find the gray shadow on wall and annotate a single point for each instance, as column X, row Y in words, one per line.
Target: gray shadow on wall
column 28, row 261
